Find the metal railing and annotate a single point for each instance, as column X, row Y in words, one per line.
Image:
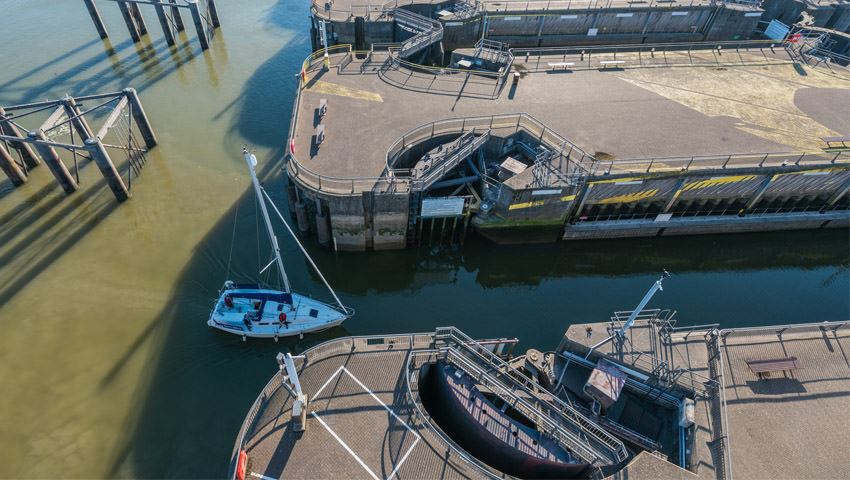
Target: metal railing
column 535, row 401
column 653, row 55
column 721, row 162
column 493, row 6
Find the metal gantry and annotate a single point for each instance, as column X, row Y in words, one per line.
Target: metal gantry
column 203, row 12
column 68, row 127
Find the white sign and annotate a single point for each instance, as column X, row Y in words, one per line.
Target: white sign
column 625, row 15
column 442, row 207
column 453, row 24
column 591, row 32
column 554, row 191
column 753, row 14
column 776, row 30
column 679, row 14
column 511, row 19
column 569, row 16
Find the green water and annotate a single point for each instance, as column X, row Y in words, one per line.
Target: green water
column 106, row 364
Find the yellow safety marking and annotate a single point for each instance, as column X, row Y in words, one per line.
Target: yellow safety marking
column 517, row 206
column 630, row 197
column 713, row 182
column 568, row 198
column 618, row 180
column 342, row 91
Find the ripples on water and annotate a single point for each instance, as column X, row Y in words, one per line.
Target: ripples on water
column 107, row 366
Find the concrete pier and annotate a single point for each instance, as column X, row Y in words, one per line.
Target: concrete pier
column 107, row 168
column 54, row 163
column 141, row 119
column 60, row 116
column 136, row 25
column 163, row 22
column 616, row 142
column 16, row 174
column 24, row 149
column 129, row 21
column 95, row 17
column 200, row 25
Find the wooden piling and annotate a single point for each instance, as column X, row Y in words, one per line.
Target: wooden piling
column 107, row 168
column 213, row 11
column 163, row 22
column 77, row 121
column 128, row 20
column 140, row 20
column 140, row 117
column 24, row 149
column 200, row 26
column 95, row 17
column 54, row 163
column 12, row 170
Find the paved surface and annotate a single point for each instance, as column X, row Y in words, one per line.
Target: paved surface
column 629, row 113
column 359, row 425
column 786, row 426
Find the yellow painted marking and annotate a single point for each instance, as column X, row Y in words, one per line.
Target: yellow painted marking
column 517, row 206
column 342, row 91
column 630, row 197
column 567, row 198
column 713, row 182
column 618, row 180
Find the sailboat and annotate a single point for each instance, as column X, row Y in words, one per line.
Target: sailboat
column 256, row 311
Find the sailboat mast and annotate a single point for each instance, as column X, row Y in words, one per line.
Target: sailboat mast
column 252, row 162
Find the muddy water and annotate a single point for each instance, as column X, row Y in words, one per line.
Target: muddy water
column 106, row 365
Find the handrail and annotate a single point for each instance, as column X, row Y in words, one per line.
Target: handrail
column 461, row 341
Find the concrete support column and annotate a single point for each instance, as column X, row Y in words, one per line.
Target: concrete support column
column 213, row 11
column 15, row 173
column 54, row 163
column 677, row 190
column 128, row 20
column 107, row 168
column 301, row 217
column 26, row 151
column 140, row 20
column 140, row 117
column 163, row 22
column 175, row 14
column 836, row 197
column 95, row 17
column 77, row 121
column 200, row 26
column 755, row 200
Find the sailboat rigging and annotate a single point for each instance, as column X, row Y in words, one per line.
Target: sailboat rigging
column 257, row 311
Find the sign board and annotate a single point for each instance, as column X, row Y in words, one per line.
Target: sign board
column 513, row 166
column 453, row 24
column 567, row 17
column 679, row 14
column 591, row 32
column 551, row 191
column 442, row 207
column 776, row 30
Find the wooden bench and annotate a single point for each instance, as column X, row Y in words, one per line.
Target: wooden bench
column 830, row 140
column 606, row 63
column 564, row 65
column 762, row 367
column 323, row 107
column 320, row 134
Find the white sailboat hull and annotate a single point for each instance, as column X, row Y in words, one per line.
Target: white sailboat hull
column 266, row 313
